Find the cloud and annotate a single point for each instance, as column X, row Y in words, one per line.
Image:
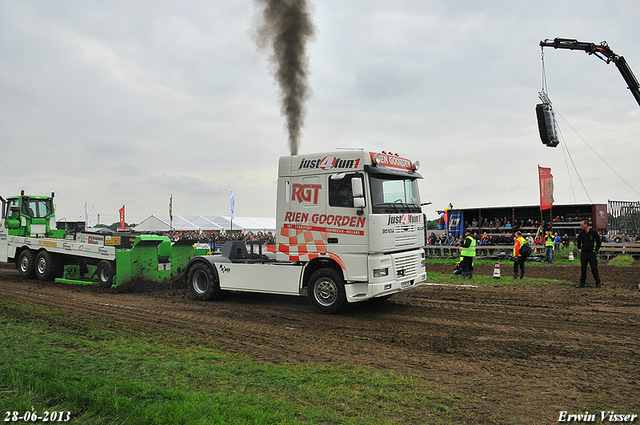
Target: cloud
column 127, row 102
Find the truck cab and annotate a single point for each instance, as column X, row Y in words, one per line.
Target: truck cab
column 355, row 212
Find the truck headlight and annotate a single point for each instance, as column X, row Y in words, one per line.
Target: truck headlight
column 381, row 272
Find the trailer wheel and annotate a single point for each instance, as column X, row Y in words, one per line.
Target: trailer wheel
column 26, row 264
column 325, row 291
column 203, row 283
column 106, row 271
column 46, row 266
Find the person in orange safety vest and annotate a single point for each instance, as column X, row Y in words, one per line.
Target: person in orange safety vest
column 520, row 259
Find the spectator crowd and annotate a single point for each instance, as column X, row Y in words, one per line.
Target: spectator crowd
column 504, row 222
column 218, row 239
column 534, row 238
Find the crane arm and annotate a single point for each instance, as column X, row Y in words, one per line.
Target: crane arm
column 603, row 52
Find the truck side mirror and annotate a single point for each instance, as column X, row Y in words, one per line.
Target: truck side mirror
column 356, row 187
column 358, row 194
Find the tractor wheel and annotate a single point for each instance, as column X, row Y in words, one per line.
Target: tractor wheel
column 203, row 283
column 106, row 271
column 27, row 264
column 47, row 266
column 325, row 291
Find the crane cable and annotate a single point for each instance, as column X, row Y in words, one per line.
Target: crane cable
column 544, row 75
column 565, row 149
column 598, row 155
column 545, row 98
column 565, row 152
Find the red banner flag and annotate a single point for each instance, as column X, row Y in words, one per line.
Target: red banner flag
column 546, row 187
column 122, row 217
column 171, row 207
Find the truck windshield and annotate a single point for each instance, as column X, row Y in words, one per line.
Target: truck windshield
column 36, row 208
column 392, row 195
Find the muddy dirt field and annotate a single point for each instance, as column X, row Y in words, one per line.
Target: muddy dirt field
column 516, row 354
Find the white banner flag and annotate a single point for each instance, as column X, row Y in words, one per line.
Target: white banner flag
column 233, row 204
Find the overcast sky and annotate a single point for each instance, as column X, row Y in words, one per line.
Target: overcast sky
column 118, row 103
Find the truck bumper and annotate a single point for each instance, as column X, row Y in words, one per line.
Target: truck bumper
column 363, row 291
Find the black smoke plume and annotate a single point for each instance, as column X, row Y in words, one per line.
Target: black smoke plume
column 286, row 28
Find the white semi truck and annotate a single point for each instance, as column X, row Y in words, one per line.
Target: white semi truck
column 349, row 228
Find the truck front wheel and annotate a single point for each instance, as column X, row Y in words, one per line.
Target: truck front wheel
column 46, row 266
column 203, row 283
column 27, row 264
column 325, row 291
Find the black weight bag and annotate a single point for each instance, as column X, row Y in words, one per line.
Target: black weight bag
column 525, row 250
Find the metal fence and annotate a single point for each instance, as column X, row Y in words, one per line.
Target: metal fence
column 624, row 216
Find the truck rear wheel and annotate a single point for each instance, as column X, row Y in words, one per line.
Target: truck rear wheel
column 203, row 283
column 325, row 291
column 106, row 271
column 46, row 266
column 27, row 264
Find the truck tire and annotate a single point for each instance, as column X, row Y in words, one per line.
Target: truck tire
column 27, row 264
column 106, row 271
column 203, row 283
column 325, row 291
column 46, row 266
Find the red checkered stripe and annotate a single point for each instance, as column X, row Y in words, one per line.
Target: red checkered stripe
column 305, row 245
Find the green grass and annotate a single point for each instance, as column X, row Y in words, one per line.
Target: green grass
column 623, row 260
column 54, row 361
column 506, row 274
column 503, row 263
column 556, row 260
column 506, row 279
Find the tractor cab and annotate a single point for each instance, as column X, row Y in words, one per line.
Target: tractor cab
column 31, row 216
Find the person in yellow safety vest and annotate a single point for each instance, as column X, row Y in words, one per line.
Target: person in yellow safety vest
column 520, row 259
column 549, row 241
column 467, row 252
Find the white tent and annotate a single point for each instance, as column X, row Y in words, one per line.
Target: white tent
column 253, row 224
column 206, row 223
column 155, row 223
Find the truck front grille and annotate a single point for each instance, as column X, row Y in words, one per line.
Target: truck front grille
column 402, row 236
column 406, row 265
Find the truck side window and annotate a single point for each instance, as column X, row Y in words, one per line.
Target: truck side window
column 26, row 208
column 340, row 193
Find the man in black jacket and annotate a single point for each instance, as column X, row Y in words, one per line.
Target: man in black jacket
column 588, row 243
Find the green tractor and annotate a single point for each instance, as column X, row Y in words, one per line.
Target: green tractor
column 28, row 237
